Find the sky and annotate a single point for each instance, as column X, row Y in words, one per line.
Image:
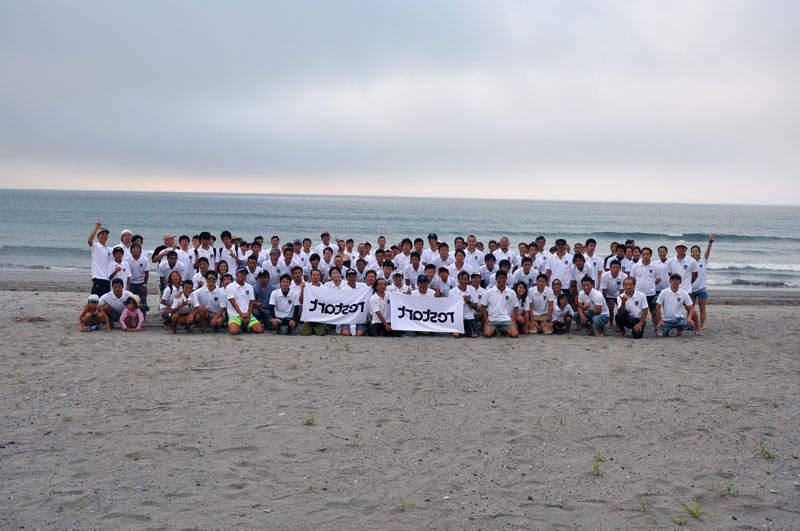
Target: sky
column 679, row 101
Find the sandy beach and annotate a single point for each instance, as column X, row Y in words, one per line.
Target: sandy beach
column 160, row 431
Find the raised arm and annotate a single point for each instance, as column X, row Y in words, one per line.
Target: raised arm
column 708, row 247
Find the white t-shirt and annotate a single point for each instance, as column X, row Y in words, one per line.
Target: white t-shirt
column 428, row 256
column 529, row 278
column 376, row 304
column 242, row 294
column 635, row 305
column 597, row 264
column 611, row 285
column 560, row 268
column 212, row 300
column 700, row 283
column 123, row 275
column 228, row 255
column 684, row 268
column 646, row 276
column 594, row 298
column 101, row 256
column 509, row 255
column 475, row 259
column 587, row 271
column 469, row 313
column 138, row 267
column 429, row 293
column 541, row 302
column 116, row 303
column 164, row 270
column 284, row 304
column 410, row 274
column 210, row 254
column 186, row 259
column 560, row 314
column 178, row 300
column 500, row 304
column 673, row 302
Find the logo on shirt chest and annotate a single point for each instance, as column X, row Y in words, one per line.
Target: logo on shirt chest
column 678, row 299
column 685, row 266
column 506, row 297
column 636, row 303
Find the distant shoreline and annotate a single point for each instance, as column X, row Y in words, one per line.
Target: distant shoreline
column 80, row 282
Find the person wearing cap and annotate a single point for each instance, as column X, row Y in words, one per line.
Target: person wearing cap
column 112, row 304
column 670, row 306
column 139, row 267
column 101, row 257
column 91, row 317
column 398, row 284
column 423, row 283
column 119, row 268
column 500, row 308
column 125, row 238
column 241, row 300
column 210, row 304
column 162, row 251
column 132, row 317
column 684, row 265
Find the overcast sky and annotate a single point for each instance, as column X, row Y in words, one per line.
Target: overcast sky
column 695, row 101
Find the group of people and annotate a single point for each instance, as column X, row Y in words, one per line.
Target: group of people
column 250, row 286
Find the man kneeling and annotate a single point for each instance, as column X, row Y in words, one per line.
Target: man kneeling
column 500, row 308
column 631, row 309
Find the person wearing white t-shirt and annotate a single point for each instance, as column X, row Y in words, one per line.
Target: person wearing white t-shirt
column 183, row 309
column 488, row 270
column 684, row 265
column 112, row 304
column 632, row 312
column 230, row 252
column 430, row 254
column 580, row 269
column 241, row 299
column 404, row 257
column 460, row 264
column 210, row 304
column 504, row 252
column 559, row 266
column 101, row 257
column 167, row 266
column 648, row 275
column 670, row 306
column 611, row 285
column 380, row 311
column 284, row 305
column 467, row 294
column 413, row 270
column 526, row 273
column 186, row 257
column 592, row 312
column 422, row 289
column 542, row 300
column 252, row 270
column 478, row 297
column 139, row 266
column 699, row 287
column 398, row 284
column 592, row 259
column 119, row 268
column 500, row 308
column 474, row 256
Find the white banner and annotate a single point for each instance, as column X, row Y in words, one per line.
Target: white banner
column 427, row 314
column 335, row 306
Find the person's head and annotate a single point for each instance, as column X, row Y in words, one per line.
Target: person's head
column 131, row 304
column 415, row 259
column 175, row 279
column 274, row 255
column 492, row 246
column 561, row 246
column 463, row 279
column 351, row 277
column 556, row 285
column 222, row 268
column 338, row 261
column 369, row 277
column 116, row 287
column 397, row 277
column 629, row 285
column 336, row 274
column 675, row 281
column 226, row 237
column 118, row 253
column 379, row 286
column 255, row 247
column 577, row 248
column 647, row 254
column 563, row 300
column 183, row 241
column 187, row 286
column 696, row 252
column 460, row 255
column 381, row 242
column 680, row 248
column 406, row 244
column 522, row 247
column 388, row 267
column 285, row 282
column 662, row 252
column 138, row 238
column 629, row 253
column 504, row 243
column 102, row 235
column 241, row 274
column 444, row 273
column 422, row 283
column 521, row 289
column 444, row 250
column 489, row 259
column 349, row 243
column 202, row 265
column 126, row 237
column 92, row 302
column 472, row 243
column 172, row 258
column 433, row 240
column 419, row 245
column 314, row 259
column 501, row 277
column 211, row 279
column 205, row 239
column 621, row 252
column 614, row 268
column 459, row 243
column 315, row 276
column 360, row 265
column 362, row 249
column 136, row 250
column 227, row 278
column 288, row 253
column 297, row 245
column 587, row 283
column 306, row 244
column 505, row 265
column 541, row 281
column 327, row 253
column 578, row 260
column 326, row 238
column 475, row 280
column 430, row 271
column 613, row 247
column 590, row 246
column 297, row 274
column 275, row 241
column 527, row 263
column 252, row 262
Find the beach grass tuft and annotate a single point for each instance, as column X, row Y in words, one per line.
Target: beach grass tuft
column 695, row 510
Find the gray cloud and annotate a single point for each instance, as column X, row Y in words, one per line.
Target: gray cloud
column 686, row 91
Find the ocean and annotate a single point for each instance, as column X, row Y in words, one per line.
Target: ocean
column 756, row 247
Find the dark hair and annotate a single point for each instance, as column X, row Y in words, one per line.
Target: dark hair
column 202, row 260
column 225, row 233
column 590, row 240
column 587, row 278
column 519, row 283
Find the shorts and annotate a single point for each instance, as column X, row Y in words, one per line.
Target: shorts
column 470, row 327
column 651, row 302
column 611, row 302
column 237, row 320
column 183, row 318
column 502, row 326
column 703, row 294
column 100, row 286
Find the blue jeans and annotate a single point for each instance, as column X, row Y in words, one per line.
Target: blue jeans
column 669, row 324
